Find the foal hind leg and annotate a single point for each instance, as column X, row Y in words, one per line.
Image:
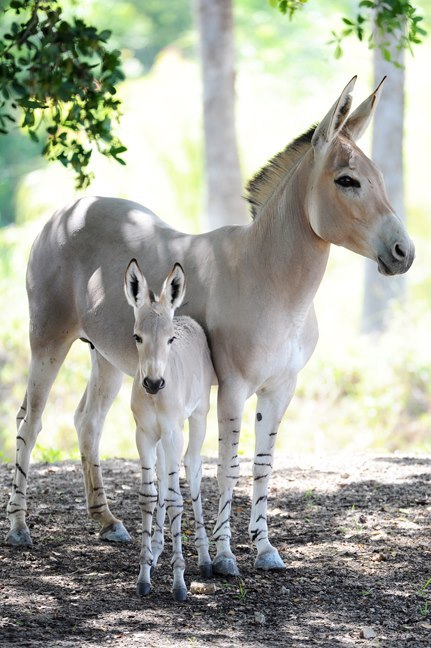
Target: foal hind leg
column 44, row 366
column 104, row 384
column 193, row 465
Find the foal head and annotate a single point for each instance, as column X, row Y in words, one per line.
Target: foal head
column 347, row 200
column 154, row 328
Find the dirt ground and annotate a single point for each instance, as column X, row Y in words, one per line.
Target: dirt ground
column 355, row 536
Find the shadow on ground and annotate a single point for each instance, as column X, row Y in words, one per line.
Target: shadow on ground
column 355, row 536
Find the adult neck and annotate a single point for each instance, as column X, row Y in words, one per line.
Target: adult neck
column 281, row 239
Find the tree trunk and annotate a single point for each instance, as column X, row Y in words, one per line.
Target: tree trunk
column 224, row 187
column 387, row 153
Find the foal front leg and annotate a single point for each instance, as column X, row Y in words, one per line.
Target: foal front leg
column 269, row 411
column 146, row 443
column 230, row 405
column 173, row 446
column 158, row 537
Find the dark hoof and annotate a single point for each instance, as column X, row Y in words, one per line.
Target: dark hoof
column 225, row 566
column 179, row 594
column 19, row 538
column 206, row 570
column 270, row 561
column 115, row 533
column 143, row 589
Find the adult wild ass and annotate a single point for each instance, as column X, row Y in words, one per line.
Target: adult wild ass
column 172, row 382
column 251, row 288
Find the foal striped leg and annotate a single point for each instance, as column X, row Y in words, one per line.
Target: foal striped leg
column 193, row 465
column 269, row 411
column 158, row 537
column 172, row 445
column 146, row 444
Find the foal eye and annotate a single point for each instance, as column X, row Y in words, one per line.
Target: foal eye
column 171, row 339
column 137, row 339
column 347, row 181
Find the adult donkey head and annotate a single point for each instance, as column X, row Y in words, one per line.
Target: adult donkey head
column 347, row 200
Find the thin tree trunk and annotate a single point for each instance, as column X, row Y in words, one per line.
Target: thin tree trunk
column 387, row 152
column 224, row 187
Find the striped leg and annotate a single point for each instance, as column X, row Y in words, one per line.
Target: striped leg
column 172, row 445
column 103, row 386
column 193, row 465
column 44, row 367
column 157, row 539
column 146, row 443
column 270, row 409
column 230, row 405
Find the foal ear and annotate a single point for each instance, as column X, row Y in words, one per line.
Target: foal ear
column 135, row 286
column 174, row 288
column 358, row 121
column 332, row 123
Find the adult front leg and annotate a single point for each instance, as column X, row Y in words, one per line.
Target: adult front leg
column 269, row 411
column 230, row 405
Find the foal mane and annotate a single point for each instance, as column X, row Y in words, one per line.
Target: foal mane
column 263, row 183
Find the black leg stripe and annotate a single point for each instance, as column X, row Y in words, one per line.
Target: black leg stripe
column 222, row 524
column 261, row 477
column 20, row 470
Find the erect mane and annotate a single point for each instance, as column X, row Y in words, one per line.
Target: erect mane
column 261, row 186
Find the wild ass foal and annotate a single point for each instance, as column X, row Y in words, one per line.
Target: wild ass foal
column 250, row 287
column 172, row 382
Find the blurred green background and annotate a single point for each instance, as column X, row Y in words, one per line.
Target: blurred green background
column 357, row 393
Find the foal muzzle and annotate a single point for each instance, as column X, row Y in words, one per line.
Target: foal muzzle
column 153, row 386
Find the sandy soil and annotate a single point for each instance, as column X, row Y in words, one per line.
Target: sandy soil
column 355, row 535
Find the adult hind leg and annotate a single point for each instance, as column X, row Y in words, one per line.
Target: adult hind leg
column 104, row 384
column 45, row 362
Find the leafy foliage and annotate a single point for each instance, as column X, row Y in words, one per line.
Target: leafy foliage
column 379, row 18
column 62, row 76
column 288, row 6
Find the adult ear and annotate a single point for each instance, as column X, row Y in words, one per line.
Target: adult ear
column 358, row 121
column 174, row 288
column 334, row 120
column 135, row 286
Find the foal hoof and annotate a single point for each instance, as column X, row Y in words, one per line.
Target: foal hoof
column 225, row 566
column 19, row 538
column 143, row 589
column 116, row 532
column 179, row 594
column 206, row 570
column 270, row 561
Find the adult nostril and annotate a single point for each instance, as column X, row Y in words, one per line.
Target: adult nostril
column 398, row 252
column 162, row 383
